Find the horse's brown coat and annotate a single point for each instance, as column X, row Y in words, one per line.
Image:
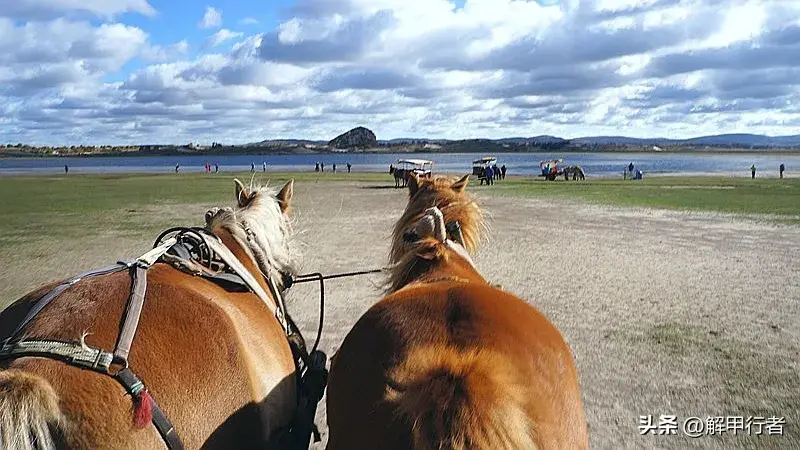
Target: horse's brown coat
column 447, row 361
column 216, row 362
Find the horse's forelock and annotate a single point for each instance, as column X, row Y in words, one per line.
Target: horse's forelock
column 270, row 230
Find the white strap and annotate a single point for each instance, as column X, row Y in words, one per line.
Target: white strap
column 226, row 255
column 152, row 256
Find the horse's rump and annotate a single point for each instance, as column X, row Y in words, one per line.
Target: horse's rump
column 460, row 399
column 463, row 366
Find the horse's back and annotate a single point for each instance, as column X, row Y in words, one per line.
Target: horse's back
column 470, row 336
column 187, row 350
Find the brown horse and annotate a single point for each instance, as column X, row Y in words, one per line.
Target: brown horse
column 576, row 171
column 400, row 176
column 216, row 362
column 446, row 360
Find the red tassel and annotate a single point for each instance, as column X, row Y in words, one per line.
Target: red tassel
column 142, row 410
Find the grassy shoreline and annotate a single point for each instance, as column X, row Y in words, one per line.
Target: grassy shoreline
column 27, row 195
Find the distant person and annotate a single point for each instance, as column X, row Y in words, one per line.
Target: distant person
column 334, row 168
column 216, row 168
column 252, row 167
column 264, row 166
column 489, row 175
column 322, row 167
column 781, row 169
column 66, row 169
column 177, row 167
column 316, row 167
column 349, row 166
column 753, row 171
column 503, row 172
column 630, row 167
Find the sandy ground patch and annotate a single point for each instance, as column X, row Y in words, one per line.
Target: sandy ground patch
column 688, row 314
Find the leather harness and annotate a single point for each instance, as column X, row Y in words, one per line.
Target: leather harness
column 200, row 253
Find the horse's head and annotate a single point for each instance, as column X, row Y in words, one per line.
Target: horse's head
column 427, row 248
column 450, row 196
column 260, row 222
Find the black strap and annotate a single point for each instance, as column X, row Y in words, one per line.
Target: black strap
column 134, row 386
column 47, row 298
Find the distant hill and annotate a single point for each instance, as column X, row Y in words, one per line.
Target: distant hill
column 358, row 137
column 284, row 142
column 733, row 140
column 546, row 141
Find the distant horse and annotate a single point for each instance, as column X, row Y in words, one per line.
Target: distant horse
column 576, row 171
column 215, row 361
column 400, row 176
column 446, row 360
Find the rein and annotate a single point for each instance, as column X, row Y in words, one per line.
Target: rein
column 309, row 277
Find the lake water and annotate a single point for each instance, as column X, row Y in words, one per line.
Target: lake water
column 594, row 164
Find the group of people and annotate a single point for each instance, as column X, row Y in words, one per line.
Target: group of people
column 263, row 166
column 781, row 169
column 320, row 167
column 208, row 167
column 492, row 173
column 628, row 173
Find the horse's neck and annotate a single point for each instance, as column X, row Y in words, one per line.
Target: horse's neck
column 455, row 268
column 242, row 255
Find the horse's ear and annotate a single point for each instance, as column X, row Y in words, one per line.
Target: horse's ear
column 242, row 194
column 461, row 184
column 413, row 184
column 285, row 196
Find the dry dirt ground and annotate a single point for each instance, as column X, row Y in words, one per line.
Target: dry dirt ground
column 667, row 313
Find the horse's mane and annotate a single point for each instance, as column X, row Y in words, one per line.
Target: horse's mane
column 421, row 258
column 271, row 241
column 448, row 194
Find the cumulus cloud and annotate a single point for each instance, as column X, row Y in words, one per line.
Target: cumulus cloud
column 221, row 36
column 211, row 19
column 484, row 68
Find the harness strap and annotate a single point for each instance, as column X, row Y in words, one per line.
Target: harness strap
column 135, row 387
column 132, row 312
column 275, row 306
column 47, row 298
column 77, row 355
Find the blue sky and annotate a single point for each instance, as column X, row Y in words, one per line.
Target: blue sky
column 132, row 71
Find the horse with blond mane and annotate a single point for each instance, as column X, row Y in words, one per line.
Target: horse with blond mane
column 211, row 365
column 446, row 360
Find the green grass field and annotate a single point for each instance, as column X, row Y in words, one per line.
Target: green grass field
column 777, row 197
column 34, row 205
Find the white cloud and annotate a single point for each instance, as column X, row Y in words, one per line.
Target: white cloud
column 221, row 36
column 161, row 53
column 249, row 21
column 211, row 19
column 493, row 68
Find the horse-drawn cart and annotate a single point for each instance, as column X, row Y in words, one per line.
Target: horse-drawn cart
column 479, row 166
column 403, row 168
column 550, row 168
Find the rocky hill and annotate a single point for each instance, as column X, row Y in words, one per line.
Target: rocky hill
column 358, row 137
